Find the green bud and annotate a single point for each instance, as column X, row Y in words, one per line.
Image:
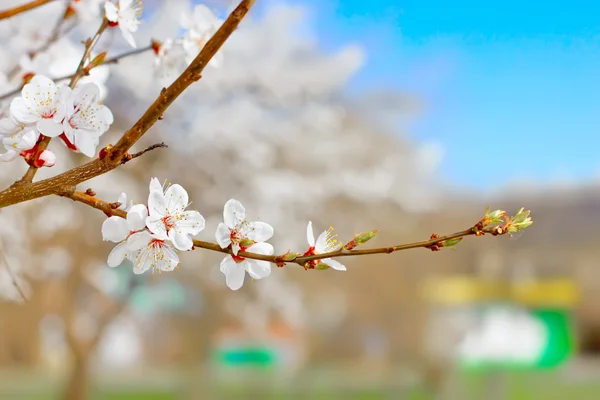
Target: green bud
column 290, row 256
column 520, row 221
column 321, row 266
column 451, row 242
column 98, row 60
column 245, row 242
column 494, row 217
column 364, row 237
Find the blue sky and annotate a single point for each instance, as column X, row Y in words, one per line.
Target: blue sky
column 511, row 88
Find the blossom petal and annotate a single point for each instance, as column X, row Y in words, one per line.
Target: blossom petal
column 8, row 156
column 136, row 217
column 155, row 186
column 123, row 200
column 260, row 231
column 85, row 95
column 125, row 31
column 235, row 248
column 117, row 255
column 191, row 222
column 176, row 199
column 170, row 259
column 310, row 236
column 334, row 264
column 111, row 11
column 21, row 111
column 181, row 241
column 157, row 226
column 86, row 142
column 325, row 244
column 223, row 235
column 49, row 127
column 8, row 126
column 138, row 240
column 233, row 213
column 258, row 269
column 157, row 204
column 262, row 248
column 115, row 229
column 234, row 272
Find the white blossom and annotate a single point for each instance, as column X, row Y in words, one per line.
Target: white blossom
column 42, row 103
column 86, row 119
column 16, row 137
column 170, row 61
column 234, row 267
column 123, row 201
column 325, row 243
column 237, row 232
column 200, row 28
column 118, row 230
column 151, row 252
column 126, row 14
column 168, row 217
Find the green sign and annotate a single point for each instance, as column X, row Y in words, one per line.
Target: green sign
column 246, row 356
column 519, row 338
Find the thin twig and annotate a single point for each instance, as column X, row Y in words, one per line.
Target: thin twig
column 11, row 272
column 112, row 60
column 43, row 145
column 161, row 145
column 20, row 9
column 111, row 210
column 190, row 75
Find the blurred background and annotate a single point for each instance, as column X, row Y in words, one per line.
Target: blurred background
column 410, row 117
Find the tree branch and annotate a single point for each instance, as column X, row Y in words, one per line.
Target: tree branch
column 435, row 243
column 43, row 145
column 19, row 193
column 190, row 75
column 21, row 9
column 113, row 60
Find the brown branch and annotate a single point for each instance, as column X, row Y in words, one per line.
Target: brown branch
column 113, row 60
column 43, row 145
column 436, row 241
column 190, row 75
column 19, row 193
column 21, row 9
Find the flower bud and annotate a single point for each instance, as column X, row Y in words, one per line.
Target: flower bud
column 245, row 242
column 321, row 266
column 45, row 159
column 98, row 60
column 364, row 237
column 520, row 221
column 494, row 217
column 451, row 242
column 290, row 256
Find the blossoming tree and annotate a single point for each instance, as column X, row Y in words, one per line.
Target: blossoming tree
column 45, row 99
column 151, row 235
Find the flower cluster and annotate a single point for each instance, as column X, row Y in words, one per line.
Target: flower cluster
column 174, row 55
column 151, row 237
column 47, row 109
